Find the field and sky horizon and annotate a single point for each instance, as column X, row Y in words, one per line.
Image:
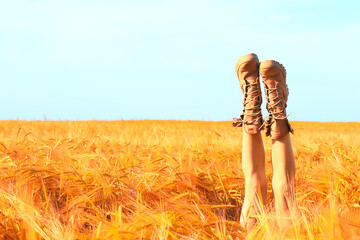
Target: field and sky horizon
column 115, row 117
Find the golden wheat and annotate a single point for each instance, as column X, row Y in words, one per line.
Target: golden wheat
column 166, row 180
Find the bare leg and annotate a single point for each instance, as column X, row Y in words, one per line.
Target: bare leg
column 283, row 175
column 253, row 163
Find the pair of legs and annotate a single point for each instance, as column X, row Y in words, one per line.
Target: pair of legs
column 273, row 74
column 253, row 163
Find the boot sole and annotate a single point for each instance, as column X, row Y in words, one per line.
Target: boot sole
column 251, row 57
column 267, row 64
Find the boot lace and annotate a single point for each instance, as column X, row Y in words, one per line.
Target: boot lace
column 250, row 96
column 275, row 112
column 272, row 107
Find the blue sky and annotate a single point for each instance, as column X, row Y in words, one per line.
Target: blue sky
column 78, row 60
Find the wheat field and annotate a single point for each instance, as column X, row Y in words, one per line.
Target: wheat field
column 167, row 180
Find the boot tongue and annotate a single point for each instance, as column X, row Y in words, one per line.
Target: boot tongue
column 275, row 106
column 252, row 97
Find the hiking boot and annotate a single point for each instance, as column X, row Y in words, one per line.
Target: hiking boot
column 247, row 71
column 277, row 92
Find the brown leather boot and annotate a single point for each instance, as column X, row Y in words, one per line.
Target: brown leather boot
column 247, row 70
column 276, row 90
